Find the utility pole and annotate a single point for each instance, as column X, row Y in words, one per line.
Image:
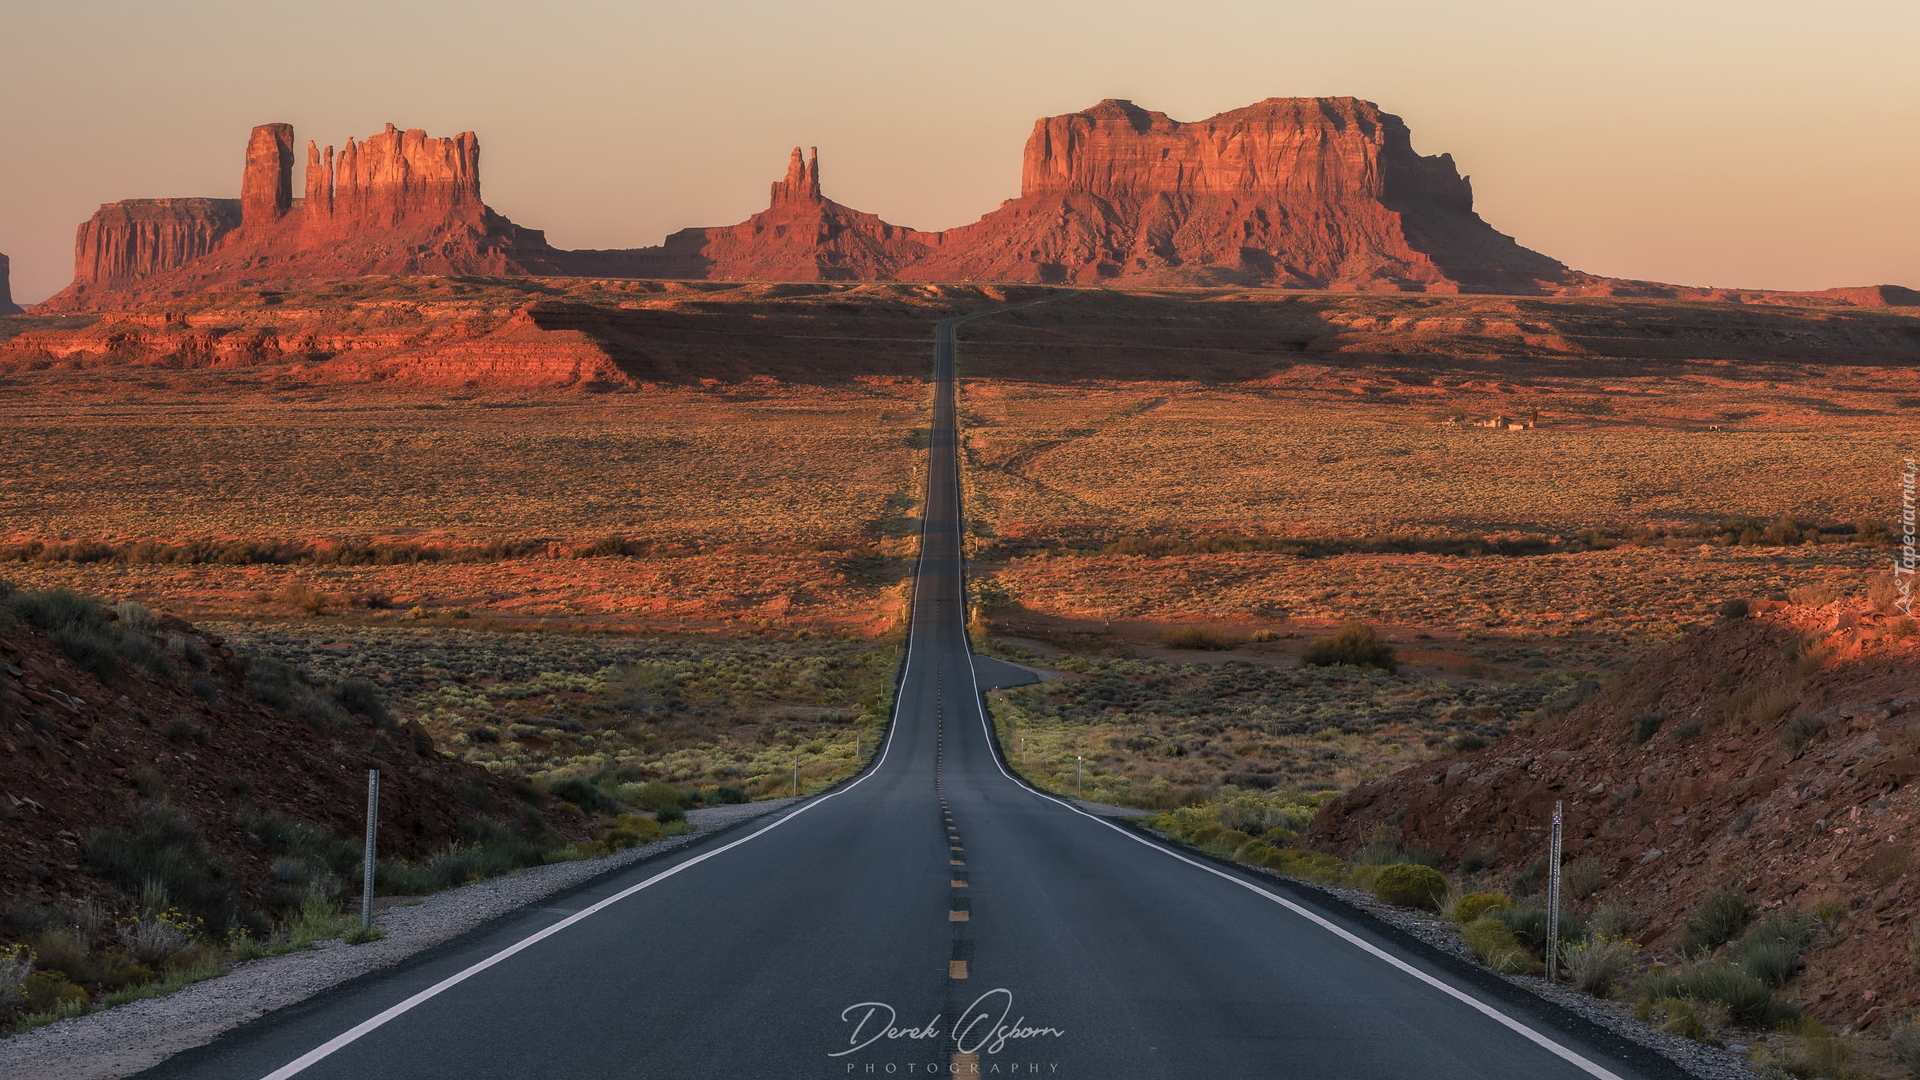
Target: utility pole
column 1553, row 896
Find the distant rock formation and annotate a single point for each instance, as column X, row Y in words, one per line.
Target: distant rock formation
column 1308, row 193
column 1304, row 192
column 399, row 202
column 7, row 306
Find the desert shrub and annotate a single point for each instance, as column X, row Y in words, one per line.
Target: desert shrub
column 1494, row 945
column 727, row 795
column 166, row 852
column 61, row 949
column 1530, row 878
column 1411, row 886
column 185, row 729
column 305, row 598
column 1676, row 1016
column 1195, row 637
column 1903, row 1044
column 1813, row 1051
column 153, row 938
column 1356, row 644
column 1758, row 705
column 1646, row 725
column 50, row 991
column 206, row 688
column 272, row 681
column 656, row 795
column 1771, row 949
column 1475, row 905
column 1467, row 741
column 1715, row 922
column 1599, row 964
column 1798, row 733
column 1529, row 925
column 16, row 963
column 584, row 794
column 630, row 830
column 1747, row 1000
column 1582, row 878
column 309, row 856
column 1617, row 920
column 1734, row 609
column 364, row 696
column 188, row 649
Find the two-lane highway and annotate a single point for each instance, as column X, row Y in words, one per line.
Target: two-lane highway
column 934, row 917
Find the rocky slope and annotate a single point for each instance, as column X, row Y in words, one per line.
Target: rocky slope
column 88, row 738
column 1303, row 193
column 1775, row 754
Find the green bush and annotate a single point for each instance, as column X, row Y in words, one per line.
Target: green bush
column 630, row 830
column 1473, row 905
column 1771, row 949
column 1748, row 1001
column 1716, row 921
column 1411, row 886
column 1356, row 644
column 1904, row 1045
column 1196, row 637
column 584, row 794
column 1600, row 963
column 166, row 852
column 1493, row 943
column 48, row 991
column 364, row 696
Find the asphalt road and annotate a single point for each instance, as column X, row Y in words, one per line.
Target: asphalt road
column 934, row 917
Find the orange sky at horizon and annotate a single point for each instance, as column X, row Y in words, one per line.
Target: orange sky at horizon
column 1759, row 144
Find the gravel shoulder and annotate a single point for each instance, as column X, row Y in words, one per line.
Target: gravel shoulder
column 1708, row 1062
column 122, row 1041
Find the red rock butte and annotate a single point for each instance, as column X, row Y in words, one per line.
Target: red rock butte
column 1310, row 193
column 7, row 306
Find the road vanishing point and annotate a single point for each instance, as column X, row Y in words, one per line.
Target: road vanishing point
column 934, row 916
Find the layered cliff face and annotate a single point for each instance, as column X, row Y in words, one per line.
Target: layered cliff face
column 125, row 244
column 1306, row 192
column 1310, row 193
column 399, row 202
column 7, row 306
column 1301, row 192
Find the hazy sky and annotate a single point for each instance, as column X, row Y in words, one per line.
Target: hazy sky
column 1752, row 143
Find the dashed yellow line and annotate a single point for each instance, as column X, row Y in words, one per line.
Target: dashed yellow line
column 959, row 916
column 956, row 969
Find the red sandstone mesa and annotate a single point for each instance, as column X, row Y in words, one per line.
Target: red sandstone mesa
column 399, row 202
column 1288, row 192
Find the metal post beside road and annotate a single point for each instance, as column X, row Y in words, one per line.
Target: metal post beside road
column 1553, row 896
column 1077, row 760
column 373, row 821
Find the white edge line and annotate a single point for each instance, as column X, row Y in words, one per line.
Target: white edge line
column 1590, row 1067
column 353, row 1034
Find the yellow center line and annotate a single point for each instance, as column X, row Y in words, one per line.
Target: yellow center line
column 959, row 916
column 958, row 884
column 956, row 969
